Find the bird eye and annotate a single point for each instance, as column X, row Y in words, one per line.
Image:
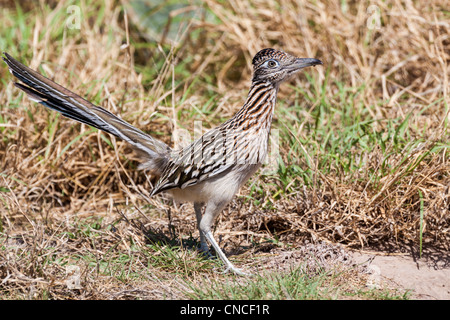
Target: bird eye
column 272, row 63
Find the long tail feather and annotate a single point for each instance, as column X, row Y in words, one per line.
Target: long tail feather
column 54, row 96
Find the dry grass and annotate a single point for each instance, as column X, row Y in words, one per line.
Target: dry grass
column 55, row 172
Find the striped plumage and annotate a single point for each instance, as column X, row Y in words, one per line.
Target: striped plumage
column 210, row 170
column 225, row 146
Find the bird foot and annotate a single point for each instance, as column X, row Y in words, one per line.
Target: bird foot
column 235, row 270
column 205, row 252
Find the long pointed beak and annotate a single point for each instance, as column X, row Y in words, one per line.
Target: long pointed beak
column 301, row 63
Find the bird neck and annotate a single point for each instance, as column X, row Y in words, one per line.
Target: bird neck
column 257, row 110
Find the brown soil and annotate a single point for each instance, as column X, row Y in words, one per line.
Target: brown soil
column 427, row 277
column 422, row 278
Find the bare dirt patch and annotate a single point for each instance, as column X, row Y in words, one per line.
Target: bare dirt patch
column 427, row 277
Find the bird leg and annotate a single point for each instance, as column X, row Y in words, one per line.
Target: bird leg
column 211, row 211
column 229, row 266
column 198, row 214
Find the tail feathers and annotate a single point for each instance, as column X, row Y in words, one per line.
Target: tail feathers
column 50, row 94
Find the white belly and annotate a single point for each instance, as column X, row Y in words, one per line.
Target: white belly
column 217, row 189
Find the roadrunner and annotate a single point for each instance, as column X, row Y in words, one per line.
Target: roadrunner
column 210, row 170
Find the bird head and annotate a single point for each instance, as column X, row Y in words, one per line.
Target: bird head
column 270, row 65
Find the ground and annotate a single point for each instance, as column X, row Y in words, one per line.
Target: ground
column 427, row 277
